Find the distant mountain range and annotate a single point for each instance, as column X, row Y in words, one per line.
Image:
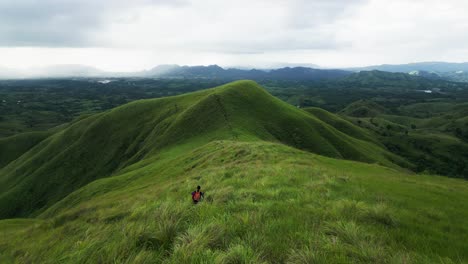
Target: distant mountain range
column 420, row 66
column 215, row 71
column 176, row 71
column 431, row 70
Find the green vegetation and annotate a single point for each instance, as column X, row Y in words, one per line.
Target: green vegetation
column 13, row 147
column 424, row 121
column 363, row 108
column 431, row 135
column 265, row 203
column 114, row 187
column 37, row 105
column 342, row 124
column 141, row 129
column 389, row 90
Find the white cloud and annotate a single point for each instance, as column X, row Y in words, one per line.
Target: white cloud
column 406, row 31
column 61, row 23
column 131, row 35
column 231, row 27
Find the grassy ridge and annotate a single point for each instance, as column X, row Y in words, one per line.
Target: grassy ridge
column 265, row 203
column 100, row 145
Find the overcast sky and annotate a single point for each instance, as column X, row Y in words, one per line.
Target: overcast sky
column 124, row 35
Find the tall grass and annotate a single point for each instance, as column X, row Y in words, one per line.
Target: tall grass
column 283, row 206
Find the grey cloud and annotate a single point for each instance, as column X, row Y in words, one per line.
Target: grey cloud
column 309, row 27
column 58, row 23
column 309, row 13
column 79, row 23
column 311, row 41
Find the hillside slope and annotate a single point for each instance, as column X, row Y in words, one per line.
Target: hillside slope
column 102, row 144
column 266, row 200
column 265, row 203
column 13, row 147
column 342, row 124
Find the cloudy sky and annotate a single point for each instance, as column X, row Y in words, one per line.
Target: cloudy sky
column 123, row 35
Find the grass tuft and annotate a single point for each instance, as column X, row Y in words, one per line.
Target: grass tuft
column 239, row 254
column 347, row 231
column 380, row 213
column 306, row 255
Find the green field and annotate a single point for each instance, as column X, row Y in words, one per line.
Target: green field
column 283, row 185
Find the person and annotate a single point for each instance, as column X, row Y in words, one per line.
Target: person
column 197, row 195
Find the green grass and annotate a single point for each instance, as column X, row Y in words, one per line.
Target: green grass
column 13, row 147
column 265, row 202
column 115, row 188
column 100, row 145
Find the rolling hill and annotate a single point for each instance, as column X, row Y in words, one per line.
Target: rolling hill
column 283, row 185
column 101, row 144
column 430, row 135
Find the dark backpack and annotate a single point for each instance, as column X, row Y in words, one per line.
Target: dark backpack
column 196, row 196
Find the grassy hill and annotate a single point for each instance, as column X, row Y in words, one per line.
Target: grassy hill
column 265, row 203
column 100, row 145
column 115, row 187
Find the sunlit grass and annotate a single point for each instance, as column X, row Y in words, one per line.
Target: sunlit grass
column 283, row 206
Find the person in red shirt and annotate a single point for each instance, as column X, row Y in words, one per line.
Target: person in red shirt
column 197, row 195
